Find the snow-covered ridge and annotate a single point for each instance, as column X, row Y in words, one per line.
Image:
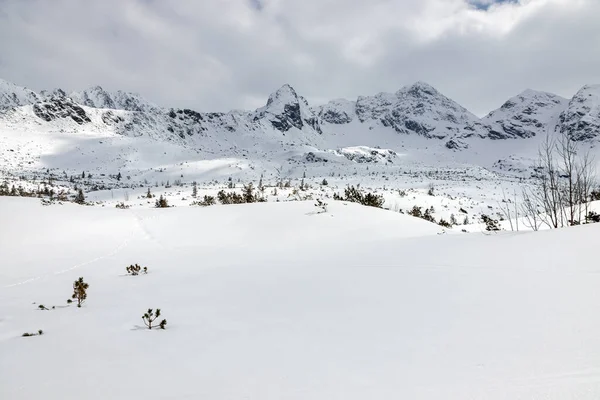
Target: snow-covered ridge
column 287, row 118
column 12, row 95
column 581, row 119
column 528, row 114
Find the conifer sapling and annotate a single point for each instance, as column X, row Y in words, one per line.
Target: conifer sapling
column 150, row 316
column 80, row 291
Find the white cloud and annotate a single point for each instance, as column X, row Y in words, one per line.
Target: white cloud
column 222, row 54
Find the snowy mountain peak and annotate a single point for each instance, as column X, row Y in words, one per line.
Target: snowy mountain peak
column 12, row 95
column 581, row 119
column 285, row 94
column 419, row 89
column 339, row 111
column 418, row 109
column 530, row 113
column 97, row 97
column 285, row 109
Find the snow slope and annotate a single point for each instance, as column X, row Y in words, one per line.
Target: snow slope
column 272, row 301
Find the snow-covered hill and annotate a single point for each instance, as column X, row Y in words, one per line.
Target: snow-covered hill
column 273, row 301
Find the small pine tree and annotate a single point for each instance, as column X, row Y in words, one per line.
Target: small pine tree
column 444, row 223
column 195, row 190
column 324, row 183
column 80, row 198
column 148, row 194
column 466, row 220
column 161, row 202
column 83, row 175
column 248, row 193
column 119, row 176
column 322, row 206
column 431, row 190
column 491, row 225
column 208, row 201
column 80, row 291
column 150, row 316
column 453, row 220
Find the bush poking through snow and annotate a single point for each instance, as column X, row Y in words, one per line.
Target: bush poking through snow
column 205, row 202
column 150, row 316
column 431, row 190
column 247, row 196
column 592, row 217
column 136, row 270
column 80, row 197
column 453, row 220
column 491, row 225
column 321, row 206
column 355, row 195
column 229, row 198
column 122, row 206
column 161, row 202
column 444, row 223
column 39, row 333
column 80, row 291
column 43, row 307
column 416, row 212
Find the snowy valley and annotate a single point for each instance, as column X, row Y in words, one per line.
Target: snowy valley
column 275, row 277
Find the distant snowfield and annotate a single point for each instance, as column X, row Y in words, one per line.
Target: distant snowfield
column 272, row 301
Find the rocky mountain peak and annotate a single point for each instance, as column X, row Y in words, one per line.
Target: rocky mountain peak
column 285, row 110
column 530, row 113
column 581, row 118
column 12, row 95
column 418, row 89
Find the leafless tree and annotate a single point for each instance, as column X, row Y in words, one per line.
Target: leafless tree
column 530, row 210
column 563, row 180
column 505, row 207
column 586, row 174
column 566, row 150
column 547, row 185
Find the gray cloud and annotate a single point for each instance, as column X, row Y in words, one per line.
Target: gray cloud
column 221, row 54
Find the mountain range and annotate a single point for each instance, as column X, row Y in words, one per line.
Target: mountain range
column 418, row 109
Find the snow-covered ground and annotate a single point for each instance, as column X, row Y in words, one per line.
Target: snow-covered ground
column 274, row 301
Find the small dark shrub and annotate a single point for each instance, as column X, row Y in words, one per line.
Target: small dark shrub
column 150, row 316
column 161, row 202
column 136, row 270
column 592, row 217
column 80, row 197
column 80, row 291
column 491, row 225
column 355, row 195
column 321, row 206
column 431, row 190
column 444, row 223
column 39, row 333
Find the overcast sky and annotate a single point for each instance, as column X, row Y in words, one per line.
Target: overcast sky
column 215, row 55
